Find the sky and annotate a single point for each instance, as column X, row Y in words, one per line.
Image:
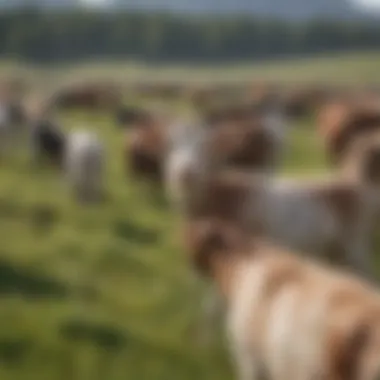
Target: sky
column 365, row 3
column 97, row 3
column 368, row 4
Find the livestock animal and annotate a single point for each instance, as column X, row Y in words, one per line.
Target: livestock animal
column 78, row 155
column 84, row 165
column 253, row 143
column 90, row 96
column 329, row 217
column 48, row 141
column 287, row 317
column 343, row 121
column 145, row 148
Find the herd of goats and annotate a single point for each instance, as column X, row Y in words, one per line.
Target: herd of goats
column 288, row 260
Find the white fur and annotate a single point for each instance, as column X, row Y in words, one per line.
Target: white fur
column 185, row 155
column 188, row 153
column 241, row 316
column 290, row 342
column 282, row 315
column 291, row 216
column 84, row 161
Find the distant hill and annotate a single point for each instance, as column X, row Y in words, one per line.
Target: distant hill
column 13, row 4
column 289, row 9
column 286, row 9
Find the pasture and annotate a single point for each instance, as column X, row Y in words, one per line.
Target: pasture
column 104, row 292
column 354, row 68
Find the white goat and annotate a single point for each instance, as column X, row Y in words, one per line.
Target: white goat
column 84, row 165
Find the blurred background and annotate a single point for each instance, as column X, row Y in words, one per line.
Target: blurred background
column 103, row 291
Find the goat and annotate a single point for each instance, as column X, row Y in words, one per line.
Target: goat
column 145, row 148
column 330, row 217
column 48, row 140
column 288, row 318
column 251, row 144
column 84, row 164
column 91, row 96
column 342, row 122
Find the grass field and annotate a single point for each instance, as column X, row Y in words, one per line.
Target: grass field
column 103, row 292
column 351, row 68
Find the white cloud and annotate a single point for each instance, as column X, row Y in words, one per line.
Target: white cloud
column 374, row 4
column 95, row 3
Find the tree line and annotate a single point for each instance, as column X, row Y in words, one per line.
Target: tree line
column 40, row 36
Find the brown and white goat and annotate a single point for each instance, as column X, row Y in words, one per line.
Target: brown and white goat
column 341, row 122
column 288, row 318
column 246, row 143
column 330, row 217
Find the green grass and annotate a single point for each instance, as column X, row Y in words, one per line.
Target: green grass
column 350, row 68
column 104, row 292
column 115, row 296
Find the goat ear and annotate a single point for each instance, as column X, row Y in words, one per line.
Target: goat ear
column 208, row 238
column 225, row 235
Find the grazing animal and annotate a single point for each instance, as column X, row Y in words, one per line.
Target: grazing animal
column 47, row 141
column 90, row 96
column 342, row 122
column 251, row 144
column 287, row 318
column 145, row 148
column 332, row 218
column 84, row 165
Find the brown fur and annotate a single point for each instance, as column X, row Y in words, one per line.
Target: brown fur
column 243, row 145
column 209, row 244
column 223, row 196
column 345, row 349
column 340, row 123
column 351, row 319
column 90, row 96
column 145, row 151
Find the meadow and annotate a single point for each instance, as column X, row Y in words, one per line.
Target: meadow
column 105, row 292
